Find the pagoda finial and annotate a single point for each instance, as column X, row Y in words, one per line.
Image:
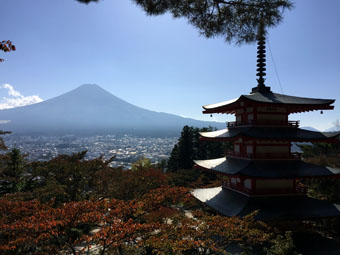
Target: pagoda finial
column 261, row 60
column 261, row 56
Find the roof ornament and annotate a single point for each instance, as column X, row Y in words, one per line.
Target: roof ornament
column 261, row 60
column 261, row 56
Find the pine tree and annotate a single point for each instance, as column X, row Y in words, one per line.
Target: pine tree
column 235, row 21
column 173, row 160
column 12, row 177
column 185, row 145
column 190, row 147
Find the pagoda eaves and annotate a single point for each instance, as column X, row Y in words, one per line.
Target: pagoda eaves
column 291, row 103
column 270, row 133
column 270, row 208
column 263, row 168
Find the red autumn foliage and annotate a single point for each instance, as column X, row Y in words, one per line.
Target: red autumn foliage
column 30, row 227
column 96, row 208
column 39, row 228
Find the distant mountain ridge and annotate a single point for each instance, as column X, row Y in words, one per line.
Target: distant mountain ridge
column 310, row 129
column 91, row 109
column 333, row 129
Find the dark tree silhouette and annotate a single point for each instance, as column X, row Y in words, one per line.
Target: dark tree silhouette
column 237, row 21
column 189, row 147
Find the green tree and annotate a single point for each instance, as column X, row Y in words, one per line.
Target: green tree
column 324, row 154
column 282, row 245
column 208, row 149
column 185, row 145
column 173, row 162
column 142, row 163
column 3, row 146
column 235, row 21
column 190, row 147
column 12, row 172
column 65, row 178
column 182, row 154
column 14, row 163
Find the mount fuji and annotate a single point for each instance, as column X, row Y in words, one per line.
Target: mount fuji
column 91, row 109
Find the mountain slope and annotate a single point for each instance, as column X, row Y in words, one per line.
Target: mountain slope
column 90, row 108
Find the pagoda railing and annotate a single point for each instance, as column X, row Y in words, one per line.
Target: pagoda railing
column 279, row 123
column 298, row 190
column 268, row 155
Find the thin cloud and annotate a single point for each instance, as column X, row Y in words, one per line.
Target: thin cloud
column 16, row 99
column 11, row 90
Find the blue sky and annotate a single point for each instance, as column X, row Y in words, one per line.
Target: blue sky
column 164, row 64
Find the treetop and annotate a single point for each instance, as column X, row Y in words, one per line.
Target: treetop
column 236, row 21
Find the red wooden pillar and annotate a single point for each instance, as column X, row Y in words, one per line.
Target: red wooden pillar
column 255, row 113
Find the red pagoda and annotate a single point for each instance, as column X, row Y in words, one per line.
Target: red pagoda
column 261, row 172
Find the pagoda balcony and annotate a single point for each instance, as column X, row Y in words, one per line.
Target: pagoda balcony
column 276, row 123
column 238, row 187
column 292, row 156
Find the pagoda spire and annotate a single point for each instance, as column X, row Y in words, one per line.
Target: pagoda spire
column 261, row 60
column 261, row 57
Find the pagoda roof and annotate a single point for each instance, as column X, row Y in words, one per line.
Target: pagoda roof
column 274, row 133
column 266, row 168
column 287, row 207
column 300, row 104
